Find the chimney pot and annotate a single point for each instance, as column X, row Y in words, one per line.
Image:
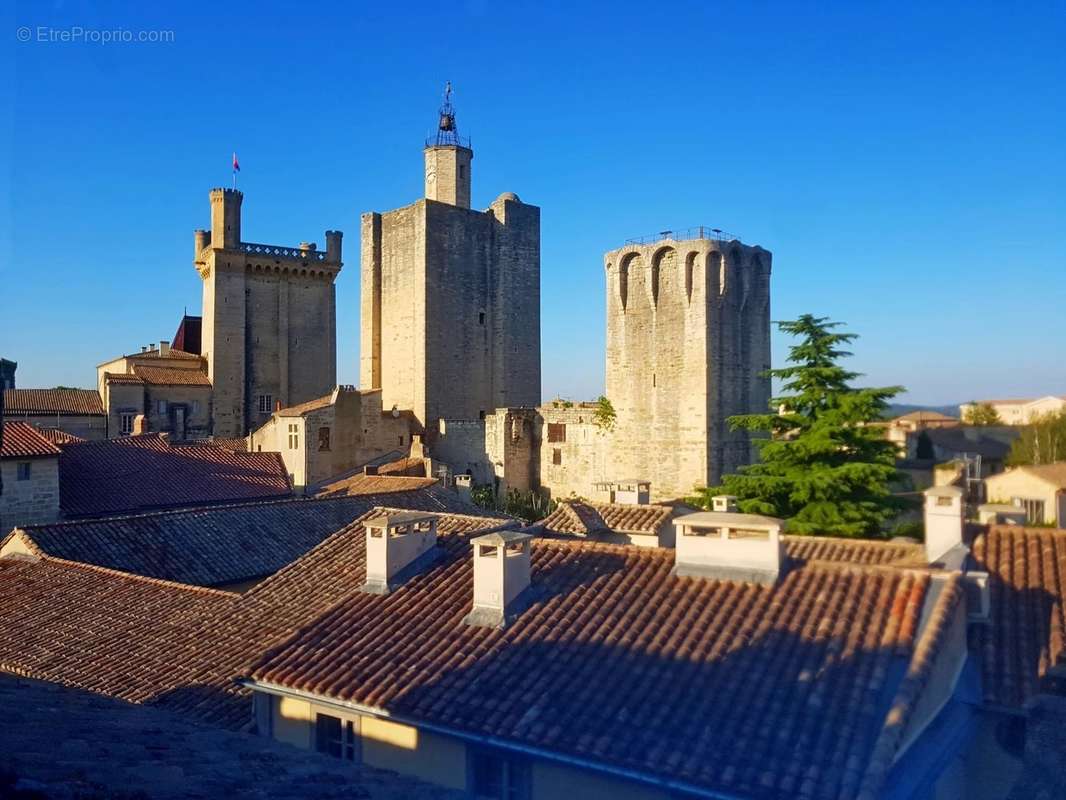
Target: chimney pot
column 729, row 546
column 501, row 578
column 164, row 346
column 724, row 503
column 397, row 544
column 943, row 516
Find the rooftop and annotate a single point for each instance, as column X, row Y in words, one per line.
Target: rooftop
column 171, row 376
column 1053, row 474
column 22, row 440
column 591, row 518
column 140, row 473
column 63, row 402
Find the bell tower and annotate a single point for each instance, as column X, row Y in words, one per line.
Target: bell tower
column 448, row 159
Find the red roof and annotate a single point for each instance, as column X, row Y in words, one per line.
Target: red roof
column 53, row 401
column 171, row 376
column 590, row 518
column 22, row 440
column 148, row 472
column 58, row 437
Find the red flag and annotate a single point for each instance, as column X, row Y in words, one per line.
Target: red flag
column 236, row 166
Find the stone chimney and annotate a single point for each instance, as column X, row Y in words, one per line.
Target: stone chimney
column 501, row 576
column 729, row 546
column 632, row 492
column 464, row 485
column 164, row 347
column 398, row 545
column 944, row 513
column 140, row 425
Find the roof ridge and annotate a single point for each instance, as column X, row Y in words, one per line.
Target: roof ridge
column 133, row 576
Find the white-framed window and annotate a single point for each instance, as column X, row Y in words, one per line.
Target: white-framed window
column 294, row 435
column 24, row 470
column 125, row 422
column 1034, row 509
column 337, row 737
column 496, row 775
column 266, row 403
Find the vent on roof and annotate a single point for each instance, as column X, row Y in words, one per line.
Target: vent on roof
column 728, row 546
column 501, row 578
column 397, row 546
column 944, row 509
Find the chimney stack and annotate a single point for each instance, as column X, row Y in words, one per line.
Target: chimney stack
column 501, row 578
column 398, row 545
column 724, row 503
column 140, row 425
column 944, row 514
column 164, row 347
column 632, row 492
column 729, row 546
column 464, row 487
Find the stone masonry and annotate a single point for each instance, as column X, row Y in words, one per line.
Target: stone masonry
column 269, row 319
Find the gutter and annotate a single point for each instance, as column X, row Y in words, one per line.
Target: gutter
column 492, row 741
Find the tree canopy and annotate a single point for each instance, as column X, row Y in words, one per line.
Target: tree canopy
column 822, row 464
column 1042, row 441
column 981, row 414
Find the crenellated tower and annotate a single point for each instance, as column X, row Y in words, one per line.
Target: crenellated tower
column 688, row 343
column 269, row 319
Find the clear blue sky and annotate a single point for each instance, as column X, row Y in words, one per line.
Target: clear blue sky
column 905, row 162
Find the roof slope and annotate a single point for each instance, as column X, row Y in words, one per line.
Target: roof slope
column 171, row 376
column 58, row 437
column 148, row 472
column 362, row 484
column 22, row 440
column 620, row 662
column 1027, row 635
column 210, row 546
column 589, row 518
column 76, row 402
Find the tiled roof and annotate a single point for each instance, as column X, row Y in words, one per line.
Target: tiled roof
column 780, row 691
column 22, row 440
column 171, row 376
column 925, row 416
column 590, row 518
column 413, row 467
column 58, row 437
column 236, row 445
column 110, row 748
column 860, row 552
column 171, row 353
column 304, row 408
column 1027, row 635
column 210, row 546
column 147, row 472
column 122, row 377
column 1055, row 474
column 360, row 484
column 152, row 641
column 53, row 401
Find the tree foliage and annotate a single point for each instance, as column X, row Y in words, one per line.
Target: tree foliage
column 604, row 416
column 1042, row 441
column 529, row 506
column 822, row 465
column 981, row 414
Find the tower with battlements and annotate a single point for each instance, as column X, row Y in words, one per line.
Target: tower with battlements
column 269, row 319
column 688, row 343
column 450, row 317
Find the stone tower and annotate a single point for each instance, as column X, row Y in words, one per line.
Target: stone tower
column 688, row 341
column 450, row 311
column 269, row 319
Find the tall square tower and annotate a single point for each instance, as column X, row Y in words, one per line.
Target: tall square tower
column 450, row 317
column 688, row 345
column 269, row 330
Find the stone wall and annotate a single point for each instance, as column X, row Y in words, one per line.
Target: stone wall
column 88, row 426
column 574, row 452
column 195, row 400
column 32, row 501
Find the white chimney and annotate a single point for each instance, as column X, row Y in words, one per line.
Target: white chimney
column 943, row 521
column 394, row 543
column 728, row 546
column 632, row 492
column 464, row 485
column 164, row 347
column 725, row 503
column 501, row 574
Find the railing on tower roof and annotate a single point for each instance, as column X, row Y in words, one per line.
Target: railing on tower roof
column 448, row 138
column 680, row 235
column 303, row 254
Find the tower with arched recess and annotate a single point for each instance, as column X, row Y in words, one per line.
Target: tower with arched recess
column 688, row 343
column 450, row 315
column 269, row 332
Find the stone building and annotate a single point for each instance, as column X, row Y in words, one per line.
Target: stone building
column 688, row 343
column 269, row 332
column 74, row 411
column 450, row 318
column 29, row 469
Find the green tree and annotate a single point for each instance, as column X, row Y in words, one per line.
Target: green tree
column 1042, row 441
column 604, row 416
column 981, row 414
column 821, row 465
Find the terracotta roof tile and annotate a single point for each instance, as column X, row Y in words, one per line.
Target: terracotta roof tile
column 171, row 376
column 619, row 661
column 864, row 552
column 304, row 408
column 22, row 440
column 122, row 377
column 74, row 402
column 590, row 518
column 360, row 484
column 58, row 437
column 1027, row 634
column 148, row 472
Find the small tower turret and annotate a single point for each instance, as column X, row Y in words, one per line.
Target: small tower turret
column 448, row 158
column 333, row 246
column 226, row 218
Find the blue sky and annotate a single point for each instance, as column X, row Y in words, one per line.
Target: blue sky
column 903, row 161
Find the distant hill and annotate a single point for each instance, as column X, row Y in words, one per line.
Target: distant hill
column 899, row 409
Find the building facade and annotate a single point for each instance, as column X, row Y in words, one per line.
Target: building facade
column 269, row 332
column 688, row 346
column 450, row 322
